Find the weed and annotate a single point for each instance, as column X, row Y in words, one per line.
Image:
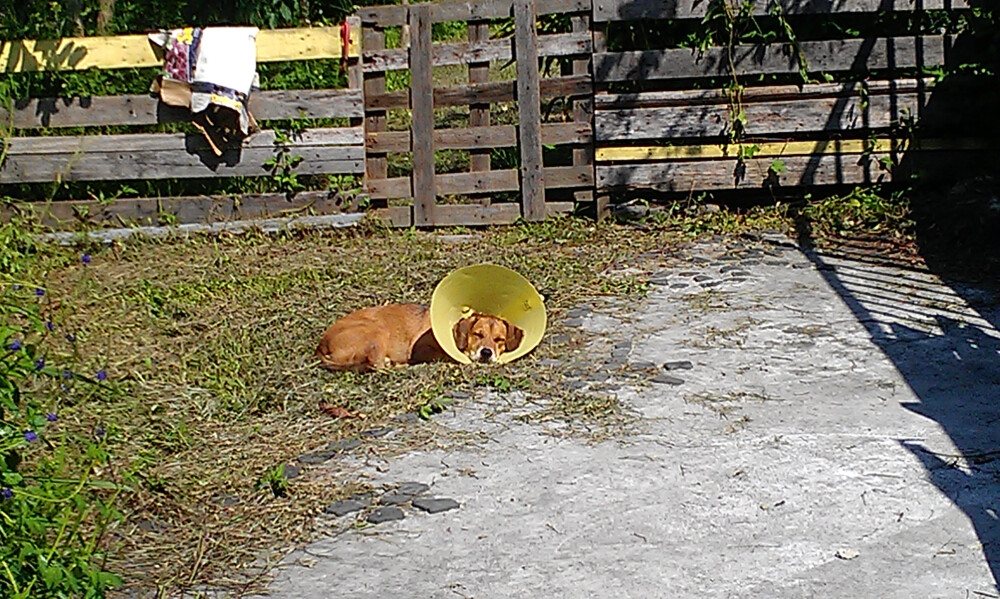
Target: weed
column 282, row 165
column 434, row 406
column 861, row 211
column 275, row 481
column 54, row 505
column 496, row 381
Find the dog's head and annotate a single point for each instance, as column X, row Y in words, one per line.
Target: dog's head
column 483, row 338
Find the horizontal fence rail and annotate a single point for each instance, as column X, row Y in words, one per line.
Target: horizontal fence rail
column 636, row 10
column 136, row 51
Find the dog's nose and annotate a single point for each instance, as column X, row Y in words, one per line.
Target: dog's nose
column 485, row 354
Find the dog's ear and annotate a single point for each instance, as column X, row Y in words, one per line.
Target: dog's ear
column 514, row 336
column 461, row 332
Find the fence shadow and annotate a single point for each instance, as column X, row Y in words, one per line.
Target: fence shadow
column 948, row 353
column 943, row 337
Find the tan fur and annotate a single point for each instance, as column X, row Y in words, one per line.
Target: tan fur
column 484, row 338
column 379, row 337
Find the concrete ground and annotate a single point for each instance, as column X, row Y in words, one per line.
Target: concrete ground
column 837, row 435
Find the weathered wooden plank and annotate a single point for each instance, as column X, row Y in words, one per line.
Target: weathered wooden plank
column 482, row 182
column 391, row 188
column 179, row 164
column 135, row 142
column 529, row 111
column 355, row 72
column 238, row 227
column 148, row 110
column 822, row 169
column 376, row 165
column 136, row 51
column 479, row 113
column 462, row 10
column 763, row 149
column 685, row 176
column 179, row 210
column 494, row 91
column 561, row 177
column 689, row 97
column 630, row 10
column 583, row 109
column 456, row 215
column 422, row 109
column 556, row 44
column 762, row 118
column 395, row 216
column 162, row 155
column 602, row 200
column 854, row 55
column 473, row 138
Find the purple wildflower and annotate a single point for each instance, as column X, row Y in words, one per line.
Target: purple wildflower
column 101, row 375
column 67, row 374
column 39, row 291
column 71, row 338
column 49, row 326
column 6, row 493
column 99, row 431
column 30, row 436
column 51, row 417
column 14, row 345
column 85, row 258
column 39, row 363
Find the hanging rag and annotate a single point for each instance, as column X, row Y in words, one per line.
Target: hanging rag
column 211, row 71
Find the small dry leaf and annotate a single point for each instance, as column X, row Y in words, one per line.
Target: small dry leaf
column 847, row 553
column 337, row 411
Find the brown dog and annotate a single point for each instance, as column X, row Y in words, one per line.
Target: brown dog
column 484, row 338
column 374, row 338
column 399, row 334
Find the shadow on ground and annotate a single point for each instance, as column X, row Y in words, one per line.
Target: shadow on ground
column 912, row 313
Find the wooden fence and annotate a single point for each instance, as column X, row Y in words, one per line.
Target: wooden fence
column 146, row 156
column 423, row 188
column 624, row 119
column 676, row 133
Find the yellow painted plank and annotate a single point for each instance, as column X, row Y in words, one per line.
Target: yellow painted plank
column 132, row 51
column 775, row 149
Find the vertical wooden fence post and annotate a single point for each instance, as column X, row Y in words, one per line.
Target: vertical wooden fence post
column 376, row 165
column 600, row 44
column 422, row 112
column 529, row 111
column 583, row 112
column 355, row 70
column 479, row 114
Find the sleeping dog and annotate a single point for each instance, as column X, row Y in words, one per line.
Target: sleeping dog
column 399, row 334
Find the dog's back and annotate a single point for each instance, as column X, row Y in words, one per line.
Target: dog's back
column 379, row 336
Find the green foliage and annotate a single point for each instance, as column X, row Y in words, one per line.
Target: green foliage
column 54, row 508
column 497, row 381
column 282, row 165
column 861, row 211
column 275, row 481
column 435, row 405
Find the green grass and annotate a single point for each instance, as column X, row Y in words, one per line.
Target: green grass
column 209, row 346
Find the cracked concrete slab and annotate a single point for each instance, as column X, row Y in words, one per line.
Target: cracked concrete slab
column 836, row 435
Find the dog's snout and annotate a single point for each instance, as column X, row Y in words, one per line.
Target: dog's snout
column 485, row 354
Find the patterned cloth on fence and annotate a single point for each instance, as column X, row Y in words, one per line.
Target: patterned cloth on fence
column 208, row 69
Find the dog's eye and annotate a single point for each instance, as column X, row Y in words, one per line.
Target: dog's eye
column 499, row 340
column 477, row 335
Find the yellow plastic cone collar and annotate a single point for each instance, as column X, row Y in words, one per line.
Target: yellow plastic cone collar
column 487, row 289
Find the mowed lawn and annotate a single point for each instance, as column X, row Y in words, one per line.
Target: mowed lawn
column 207, row 344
